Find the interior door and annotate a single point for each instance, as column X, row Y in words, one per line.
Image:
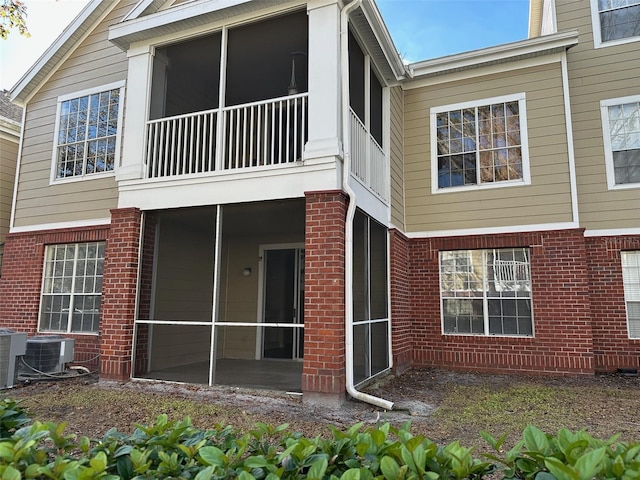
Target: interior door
column 283, row 303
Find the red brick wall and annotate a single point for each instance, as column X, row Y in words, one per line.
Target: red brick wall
column 324, row 338
column 611, row 344
column 562, row 323
column 21, row 283
column 146, row 279
column 401, row 298
column 119, row 293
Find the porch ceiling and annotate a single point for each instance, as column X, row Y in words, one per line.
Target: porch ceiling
column 281, row 216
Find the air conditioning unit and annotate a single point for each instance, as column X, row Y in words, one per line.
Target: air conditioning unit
column 48, row 354
column 12, row 345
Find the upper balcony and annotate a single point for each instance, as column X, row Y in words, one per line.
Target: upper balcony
column 235, row 104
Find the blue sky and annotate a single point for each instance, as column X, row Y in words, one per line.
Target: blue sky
column 421, row 29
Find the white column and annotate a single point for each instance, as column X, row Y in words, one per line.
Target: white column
column 137, row 114
column 324, row 80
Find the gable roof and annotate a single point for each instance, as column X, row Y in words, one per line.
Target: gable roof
column 8, row 110
column 59, row 50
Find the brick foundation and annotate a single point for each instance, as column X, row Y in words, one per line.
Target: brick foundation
column 563, row 339
column 119, row 293
column 21, row 283
column 323, row 375
column 612, row 346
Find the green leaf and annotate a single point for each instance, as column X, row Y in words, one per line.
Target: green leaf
column 205, row 474
column 256, row 462
column 389, row 468
column 11, row 473
column 545, row 476
column 99, row 462
column 351, row 474
column 246, row 476
column 212, row 456
column 535, row 440
column 316, row 472
column 589, row 464
column 560, row 470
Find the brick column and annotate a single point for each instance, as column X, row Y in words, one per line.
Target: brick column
column 401, row 334
column 119, row 293
column 323, row 375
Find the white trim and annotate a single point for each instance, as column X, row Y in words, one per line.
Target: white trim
column 81, row 27
column 597, row 34
column 634, row 253
column 493, row 230
column 481, row 71
column 612, row 232
column 524, row 144
column 570, row 147
column 606, row 138
column 501, row 53
column 14, row 198
column 59, row 225
column 53, row 180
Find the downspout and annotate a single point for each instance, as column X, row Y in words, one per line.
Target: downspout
column 351, row 211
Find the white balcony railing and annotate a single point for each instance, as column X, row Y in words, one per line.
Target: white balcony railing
column 258, row 134
column 368, row 162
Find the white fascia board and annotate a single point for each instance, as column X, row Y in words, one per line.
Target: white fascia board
column 494, row 230
column 385, row 41
column 58, row 50
column 118, row 33
column 141, row 7
column 9, row 126
column 58, row 225
column 501, row 53
column 613, row 232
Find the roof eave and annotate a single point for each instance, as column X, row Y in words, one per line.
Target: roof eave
column 384, row 39
column 58, row 50
column 529, row 48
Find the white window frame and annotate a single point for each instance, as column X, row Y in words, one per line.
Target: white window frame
column 83, row 93
column 630, row 295
column 486, row 294
column 72, row 293
column 597, row 34
column 606, row 137
column 524, row 143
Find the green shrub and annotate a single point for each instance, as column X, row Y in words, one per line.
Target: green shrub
column 177, row 450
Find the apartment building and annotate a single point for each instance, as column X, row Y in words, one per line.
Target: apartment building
column 261, row 193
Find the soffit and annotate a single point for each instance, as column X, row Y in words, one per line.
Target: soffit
column 501, row 54
column 377, row 42
column 184, row 17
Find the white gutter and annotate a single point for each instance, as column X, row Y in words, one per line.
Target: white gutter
column 351, row 211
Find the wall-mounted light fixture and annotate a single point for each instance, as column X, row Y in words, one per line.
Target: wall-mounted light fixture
column 246, row 272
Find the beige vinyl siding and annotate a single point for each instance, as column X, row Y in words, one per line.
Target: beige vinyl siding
column 95, row 62
column 546, row 200
column 395, row 156
column 595, row 75
column 8, row 157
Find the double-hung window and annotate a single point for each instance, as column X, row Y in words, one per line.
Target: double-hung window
column 479, row 144
column 486, row 292
column 621, row 134
column 631, row 281
column 72, row 287
column 615, row 21
column 87, row 133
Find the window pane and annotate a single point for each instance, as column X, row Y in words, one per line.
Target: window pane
column 87, row 129
column 72, row 276
column 620, row 23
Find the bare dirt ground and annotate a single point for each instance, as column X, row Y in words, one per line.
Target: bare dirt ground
column 442, row 405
